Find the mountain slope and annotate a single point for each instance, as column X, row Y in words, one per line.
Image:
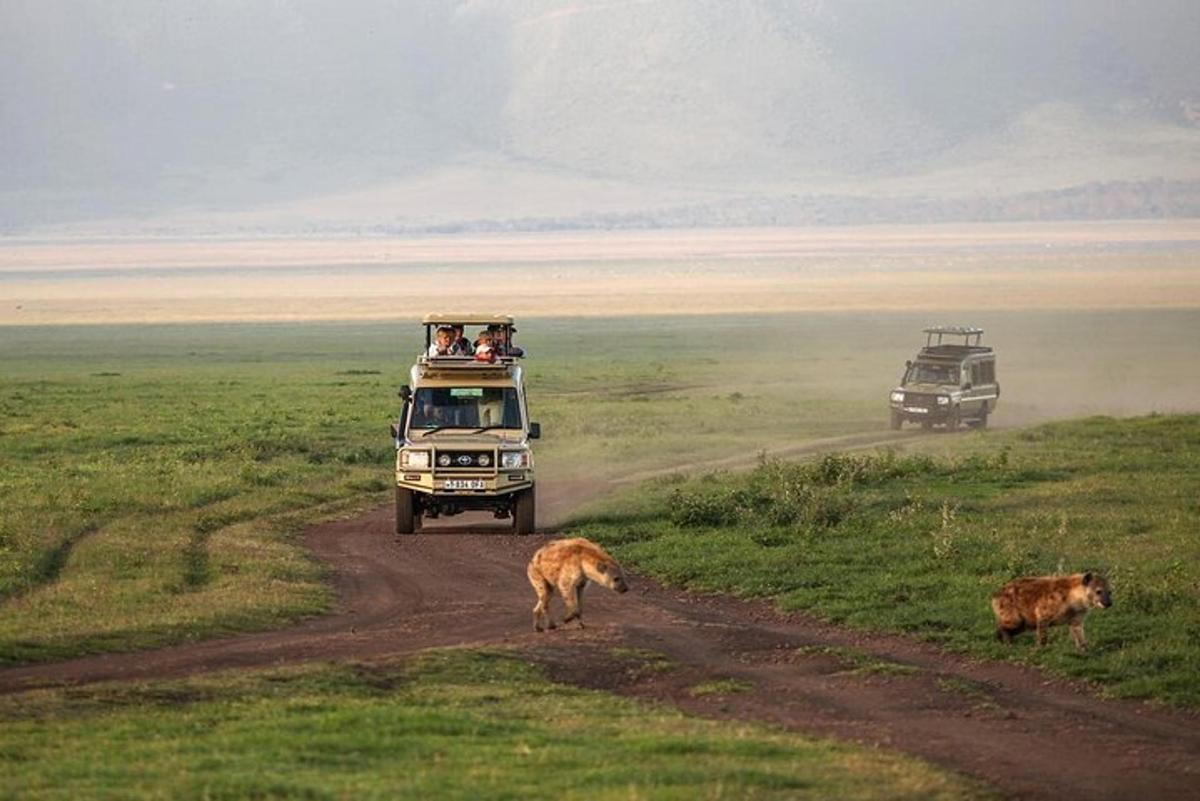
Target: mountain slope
column 286, row 117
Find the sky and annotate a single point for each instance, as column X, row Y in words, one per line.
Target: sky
column 286, row 113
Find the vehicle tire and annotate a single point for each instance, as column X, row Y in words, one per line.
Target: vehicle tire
column 954, row 420
column 983, row 416
column 926, row 425
column 897, row 421
column 523, row 513
column 406, row 517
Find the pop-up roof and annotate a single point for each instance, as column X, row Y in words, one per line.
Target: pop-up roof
column 467, row 319
column 492, row 321
column 964, row 331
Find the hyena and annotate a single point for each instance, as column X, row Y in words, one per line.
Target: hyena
column 566, row 566
column 1041, row 601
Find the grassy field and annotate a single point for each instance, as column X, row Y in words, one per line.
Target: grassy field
column 917, row 542
column 155, row 477
column 450, row 725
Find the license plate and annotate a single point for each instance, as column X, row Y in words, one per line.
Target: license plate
column 915, row 410
column 464, row 483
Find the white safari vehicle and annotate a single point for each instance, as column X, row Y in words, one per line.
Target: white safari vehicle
column 463, row 435
column 949, row 383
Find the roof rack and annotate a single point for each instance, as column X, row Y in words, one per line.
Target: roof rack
column 463, row 362
column 464, row 367
column 941, row 331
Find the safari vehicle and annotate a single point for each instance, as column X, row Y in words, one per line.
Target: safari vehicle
column 949, row 383
column 463, row 435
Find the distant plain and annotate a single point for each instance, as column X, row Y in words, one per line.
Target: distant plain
column 1068, row 265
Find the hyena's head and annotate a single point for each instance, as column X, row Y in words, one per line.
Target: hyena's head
column 1098, row 593
column 610, row 575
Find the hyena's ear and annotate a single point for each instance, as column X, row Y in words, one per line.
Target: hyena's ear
column 601, row 567
column 1087, row 578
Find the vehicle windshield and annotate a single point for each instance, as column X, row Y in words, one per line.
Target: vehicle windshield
column 465, row 407
column 929, row 373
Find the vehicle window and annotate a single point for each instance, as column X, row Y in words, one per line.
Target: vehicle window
column 926, row 373
column 465, row 407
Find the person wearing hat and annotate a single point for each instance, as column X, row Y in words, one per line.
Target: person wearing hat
column 501, row 343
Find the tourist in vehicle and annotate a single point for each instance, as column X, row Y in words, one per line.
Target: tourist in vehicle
column 501, row 341
column 429, row 415
column 484, row 348
column 443, row 344
column 462, row 345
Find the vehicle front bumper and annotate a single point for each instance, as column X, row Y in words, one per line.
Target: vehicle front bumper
column 504, row 482
column 926, row 414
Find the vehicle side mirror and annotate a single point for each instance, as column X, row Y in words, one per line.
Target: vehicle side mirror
column 535, row 430
column 967, row 385
column 395, row 431
column 907, row 363
column 405, row 393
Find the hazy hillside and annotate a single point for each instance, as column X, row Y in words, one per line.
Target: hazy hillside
column 200, row 116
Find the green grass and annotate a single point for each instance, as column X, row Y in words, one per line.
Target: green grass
column 451, row 725
column 976, row 693
column 918, row 542
column 155, row 478
column 719, row 687
column 860, row 663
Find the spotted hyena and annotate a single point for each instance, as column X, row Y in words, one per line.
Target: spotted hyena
column 567, row 566
column 1041, row 601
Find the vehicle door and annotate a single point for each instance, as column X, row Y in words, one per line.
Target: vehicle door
column 973, row 393
column 986, row 387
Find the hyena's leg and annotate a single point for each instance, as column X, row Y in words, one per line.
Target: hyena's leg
column 570, row 591
column 1041, row 633
column 1077, row 635
column 548, row 590
column 542, row 588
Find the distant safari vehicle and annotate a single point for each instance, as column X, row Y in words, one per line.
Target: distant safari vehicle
column 949, row 383
column 463, row 435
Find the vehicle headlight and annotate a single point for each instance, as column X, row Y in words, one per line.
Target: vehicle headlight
column 444, row 460
column 418, row 460
column 484, row 460
column 512, row 460
column 943, row 400
column 897, row 397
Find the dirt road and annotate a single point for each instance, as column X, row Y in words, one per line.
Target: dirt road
column 1029, row 736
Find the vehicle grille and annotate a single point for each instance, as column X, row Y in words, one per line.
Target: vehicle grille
column 921, row 400
column 472, row 461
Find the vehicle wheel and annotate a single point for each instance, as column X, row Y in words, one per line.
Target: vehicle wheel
column 926, row 425
column 523, row 521
column 983, row 416
column 954, row 420
column 406, row 518
column 897, row 421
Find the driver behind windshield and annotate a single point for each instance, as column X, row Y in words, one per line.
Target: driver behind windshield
column 466, row 407
column 933, row 374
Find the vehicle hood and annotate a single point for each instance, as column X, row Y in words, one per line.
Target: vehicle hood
column 485, row 439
